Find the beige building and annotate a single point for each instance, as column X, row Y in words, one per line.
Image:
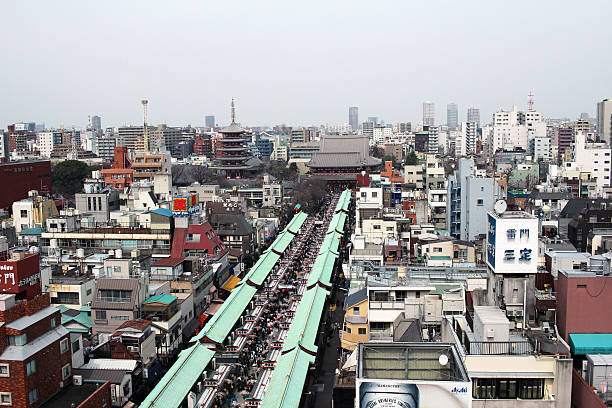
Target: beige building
column 509, row 369
column 355, row 329
column 33, row 211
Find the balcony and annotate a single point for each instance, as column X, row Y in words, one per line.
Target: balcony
column 387, row 305
column 497, row 348
column 381, row 335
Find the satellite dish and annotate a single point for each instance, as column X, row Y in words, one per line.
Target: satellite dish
column 443, row 359
column 500, row 206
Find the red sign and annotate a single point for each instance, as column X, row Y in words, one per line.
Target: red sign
column 180, row 204
column 21, row 277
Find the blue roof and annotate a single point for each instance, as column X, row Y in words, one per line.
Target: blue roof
column 32, row 231
column 163, row 212
column 591, row 343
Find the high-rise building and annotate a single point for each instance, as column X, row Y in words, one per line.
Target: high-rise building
column 209, row 121
column 96, row 123
column 354, row 117
column 452, row 115
column 473, row 115
column 604, row 120
column 368, row 129
column 373, row 119
column 429, row 113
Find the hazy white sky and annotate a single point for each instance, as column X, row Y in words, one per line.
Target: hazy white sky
column 298, row 62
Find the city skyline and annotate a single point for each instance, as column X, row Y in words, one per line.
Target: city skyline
column 191, row 80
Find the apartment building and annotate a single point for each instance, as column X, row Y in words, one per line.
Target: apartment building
column 35, row 354
column 115, row 302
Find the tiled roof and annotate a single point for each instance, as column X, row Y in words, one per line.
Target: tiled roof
column 356, row 297
column 168, row 261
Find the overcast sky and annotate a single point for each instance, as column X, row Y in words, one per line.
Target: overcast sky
column 298, row 63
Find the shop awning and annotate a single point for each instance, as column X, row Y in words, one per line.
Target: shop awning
column 590, row 343
column 230, row 283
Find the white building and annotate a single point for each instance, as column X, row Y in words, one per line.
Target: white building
column 512, row 258
column 382, row 134
column 45, row 143
column 540, row 148
column 429, row 113
column 514, row 129
column 468, row 138
column 593, row 158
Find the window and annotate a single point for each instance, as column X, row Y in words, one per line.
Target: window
column 120, row 317
column 376, row 227
column 75, row 346
column 480, row 202
column 31, row 367
column 33, row 396
column 348, row 329
column 19, row 340
column 64, row 345
column 100, row 314
column 65, row 371
column 5, row 398
column 4, row 370
column 508, row 388
column 53, row 323
column 362, row 330
column 356, row 311
column 374, row 194
column 24, row 213
column 437, row 249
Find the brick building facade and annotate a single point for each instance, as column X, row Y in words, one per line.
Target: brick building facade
column 17, row 178
column 35, row 355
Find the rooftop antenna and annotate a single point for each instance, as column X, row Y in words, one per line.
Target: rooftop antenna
column 144, row 116
column 530, row 95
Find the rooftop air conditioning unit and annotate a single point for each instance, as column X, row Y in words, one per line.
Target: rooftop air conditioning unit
column 77, row 380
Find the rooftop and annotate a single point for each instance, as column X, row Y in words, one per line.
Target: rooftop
column 72, row 394
column 163, row 298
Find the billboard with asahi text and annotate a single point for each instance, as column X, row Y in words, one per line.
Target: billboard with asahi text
column 413, row 394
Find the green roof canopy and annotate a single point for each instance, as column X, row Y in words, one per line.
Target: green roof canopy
column 591, row 343
column 175, row 385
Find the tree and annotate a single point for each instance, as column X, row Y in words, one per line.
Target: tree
column 201, row 174
column 309, row 194
column 68, row 177
column 179, row 178
column 377, row 152
column 412, row 159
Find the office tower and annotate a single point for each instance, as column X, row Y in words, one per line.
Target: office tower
column 373, row 119
column 604, row 120
column 209, row 121
column 96, row 123
column 368, row 129
column 473, row 115
column 354, row 117
column 452, row 115
column 429, row 113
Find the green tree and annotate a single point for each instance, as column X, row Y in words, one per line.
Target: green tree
column 377, row 152
column 68, row 176
column 412, row 159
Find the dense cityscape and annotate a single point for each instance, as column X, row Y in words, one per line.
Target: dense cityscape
column 465, row 263
column 305, row 204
